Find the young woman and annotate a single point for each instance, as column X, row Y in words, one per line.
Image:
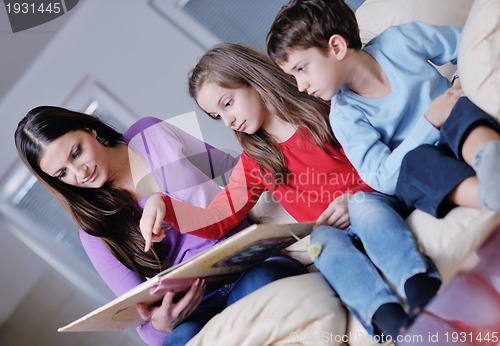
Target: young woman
column 289, row 150
column 103, row 178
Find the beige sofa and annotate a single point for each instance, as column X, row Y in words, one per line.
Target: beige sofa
column 304, row 310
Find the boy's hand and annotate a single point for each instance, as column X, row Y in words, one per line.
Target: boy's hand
column 442, row 105
column 151, row 221
column 336, row 214
column 169, row 314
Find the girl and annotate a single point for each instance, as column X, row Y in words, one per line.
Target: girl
column 288, row 149
column 103, row 179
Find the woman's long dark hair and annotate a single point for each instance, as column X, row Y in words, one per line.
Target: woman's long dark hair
column 107, row 212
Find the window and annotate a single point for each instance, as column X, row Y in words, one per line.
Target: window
column 209, row 22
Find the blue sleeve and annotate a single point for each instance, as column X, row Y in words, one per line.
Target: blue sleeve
column 438, row 44
column 377, row 165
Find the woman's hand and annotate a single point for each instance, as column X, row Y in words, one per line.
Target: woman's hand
column 336, row 214
column 168, row 315
column 442, row 105
column 151, row 221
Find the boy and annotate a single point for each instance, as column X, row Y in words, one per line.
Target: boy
column 390, row 106
column 389, row 109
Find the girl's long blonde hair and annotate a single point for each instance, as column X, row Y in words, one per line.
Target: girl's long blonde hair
column 234, row 66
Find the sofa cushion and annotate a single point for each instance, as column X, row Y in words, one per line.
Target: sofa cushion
column 296, row 310
column 449, row 240
column 479, row 56
column 374, row 16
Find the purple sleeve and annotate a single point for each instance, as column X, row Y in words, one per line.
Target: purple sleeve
column 213, row 162
column 120, row 279
column 208, row 159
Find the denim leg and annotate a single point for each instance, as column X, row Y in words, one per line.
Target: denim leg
column 212, row 303
column 386, row 238
column 351, row 274
column 464, row 117
column 429, row 192
column 270, row 270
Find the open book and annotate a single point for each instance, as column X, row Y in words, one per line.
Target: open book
column 219, row 264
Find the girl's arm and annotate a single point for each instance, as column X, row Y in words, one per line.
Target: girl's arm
column 227, row 209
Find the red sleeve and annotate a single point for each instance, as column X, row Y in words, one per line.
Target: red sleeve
column 227, row 209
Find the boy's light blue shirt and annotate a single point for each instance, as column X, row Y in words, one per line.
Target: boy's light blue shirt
column 376, row 133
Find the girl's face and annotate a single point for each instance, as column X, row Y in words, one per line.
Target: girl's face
column 76, row 158
column 241, row 109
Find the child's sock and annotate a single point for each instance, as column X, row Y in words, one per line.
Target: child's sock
column 391, row 319
column 486, row 163
column 419, row 290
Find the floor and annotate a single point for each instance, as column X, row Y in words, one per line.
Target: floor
column 56, row 303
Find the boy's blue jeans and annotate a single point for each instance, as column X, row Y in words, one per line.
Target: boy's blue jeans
column 368, row 264
column 214, row 302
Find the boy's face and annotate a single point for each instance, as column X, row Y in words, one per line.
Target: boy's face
column 317, row 74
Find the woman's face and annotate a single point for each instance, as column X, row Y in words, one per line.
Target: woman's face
column 76, row 158
column 241, row 109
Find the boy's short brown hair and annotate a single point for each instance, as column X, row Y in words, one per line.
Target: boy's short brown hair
column 303, row 24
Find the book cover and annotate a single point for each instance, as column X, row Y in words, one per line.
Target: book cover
column 219, row 264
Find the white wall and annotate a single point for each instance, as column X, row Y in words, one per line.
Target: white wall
column 131, row 49
column 20, row 269
column 22, row 48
